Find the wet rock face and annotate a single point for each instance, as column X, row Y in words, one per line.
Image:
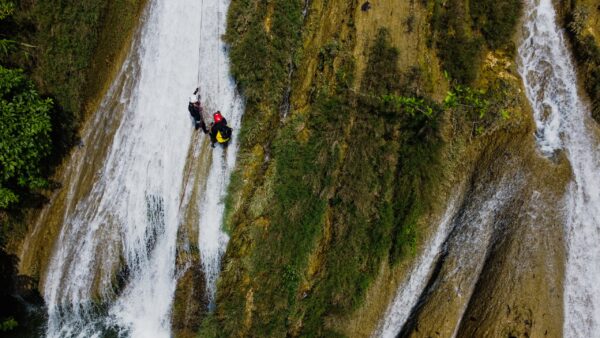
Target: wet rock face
column 519, row 292
column 190, row 303
column 501, row 271
column 496, row 275
column 581, row 21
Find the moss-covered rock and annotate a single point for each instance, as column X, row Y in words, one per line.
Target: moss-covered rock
column 582, row 20
column 335, row 191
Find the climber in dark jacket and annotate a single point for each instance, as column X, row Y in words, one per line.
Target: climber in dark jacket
column 196, row 111
column 219, row 131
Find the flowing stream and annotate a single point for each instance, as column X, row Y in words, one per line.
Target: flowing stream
column 220, row 91
column 410, row 290
column 564, row 123
column 113, row 267
column 458, row 248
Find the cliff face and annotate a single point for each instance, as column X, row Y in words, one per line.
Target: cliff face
column 582, row 22
column 72, row 51
column 365, row 123
column 358, row 130
column 113, row 31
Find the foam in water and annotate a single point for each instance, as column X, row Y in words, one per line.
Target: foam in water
column 219, row 90
column 563, row 122
column 409, row 291
column 127, row 225
column 464, row 237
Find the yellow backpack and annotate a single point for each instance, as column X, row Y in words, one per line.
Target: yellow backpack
column 221, row 138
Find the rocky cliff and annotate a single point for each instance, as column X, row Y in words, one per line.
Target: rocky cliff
column 363, row 120
column 368, row 125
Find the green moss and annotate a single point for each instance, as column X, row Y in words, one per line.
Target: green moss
column 209, row 327
column 64, row 47
column 78, row 41
column 587, row 54
column 260, row 60
column 334, row 160
column 496, row 19
column 325, row 197
column 459, row 50
column 463, row 30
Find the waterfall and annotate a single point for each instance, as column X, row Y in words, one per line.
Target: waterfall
column 563, row 123
column 409, row 291
column 113, row 265
column 217, row 87
column 458, row 249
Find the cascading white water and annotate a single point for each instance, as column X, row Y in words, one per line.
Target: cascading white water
column 409, row 291
column 563, row 122
column 125, row 229
column 466, row 238
column 219, row 90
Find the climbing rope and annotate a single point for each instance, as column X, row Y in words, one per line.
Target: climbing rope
column 219, row 51
column 202, row 113
column 200, row 44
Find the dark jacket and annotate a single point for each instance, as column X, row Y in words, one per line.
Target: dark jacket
column 196, row 112
column 216, row 127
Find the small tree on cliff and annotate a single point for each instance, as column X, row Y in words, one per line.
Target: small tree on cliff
column 24, row 135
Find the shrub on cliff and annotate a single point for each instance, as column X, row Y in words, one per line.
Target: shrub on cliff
column 463, row 30
column 496, row 19
column 587, row 54
column 458, row 48
column 24, row 136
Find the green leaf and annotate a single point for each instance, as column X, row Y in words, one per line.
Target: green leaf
column 24, row 135
column 6, row 9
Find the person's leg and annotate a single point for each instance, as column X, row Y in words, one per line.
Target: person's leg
column 213, row 138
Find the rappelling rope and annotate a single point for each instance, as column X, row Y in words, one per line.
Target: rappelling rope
column 219, row 51
column 198, row 96
column 200, row 44
column 195, row 143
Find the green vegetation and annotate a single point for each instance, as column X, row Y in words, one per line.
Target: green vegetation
column 56, row 44
column 587, row 54
column 24, row 135
column 67, row 46
column 25, row 123
column 56, row 57
column 322, row 199
column 332, row 187
column 374, row 204
column 458, row 48
column 52, row 43
column 262, row 83
column 481, row 109
column 462, row 34
column 496, row 20
column 68, row 33
column 8, row 324
column 81, row 41
column 68, row 50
